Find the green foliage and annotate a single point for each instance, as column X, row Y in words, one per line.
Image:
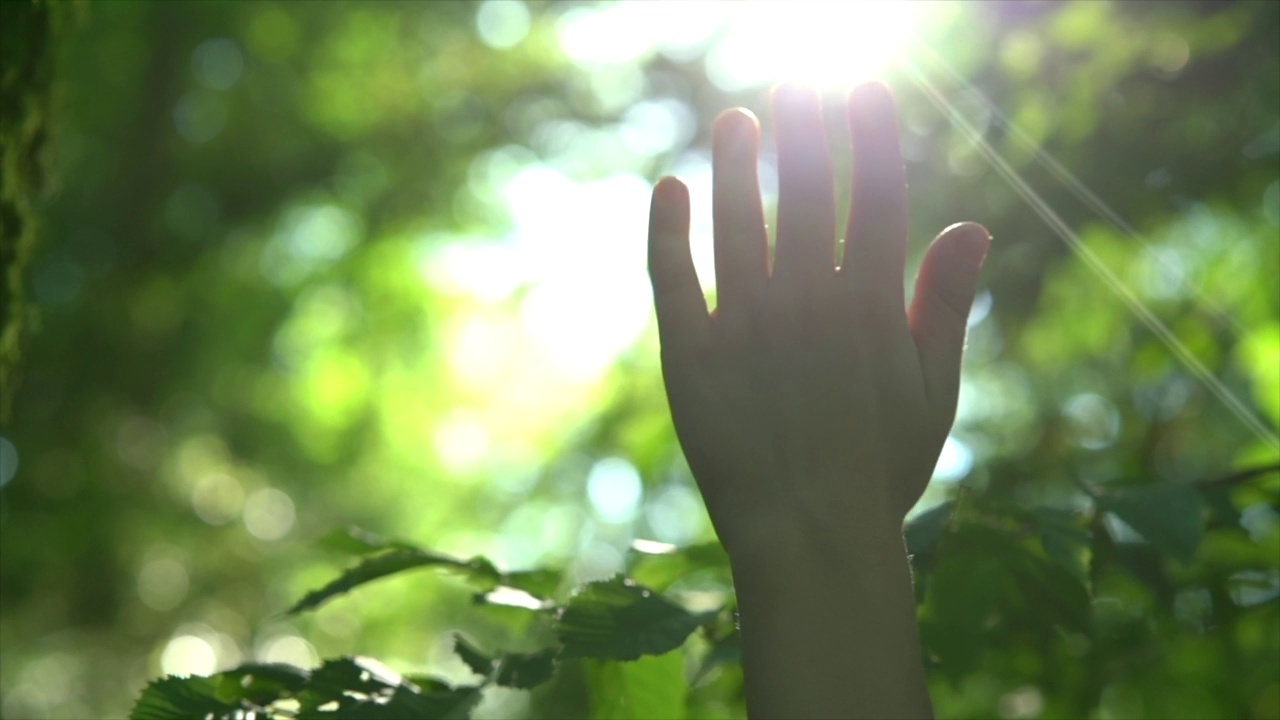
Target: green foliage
column 649, row 687
column 617, row 619
column 1027, row 571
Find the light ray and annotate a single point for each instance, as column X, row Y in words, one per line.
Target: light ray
column 1051, row 218
column 1076, row 186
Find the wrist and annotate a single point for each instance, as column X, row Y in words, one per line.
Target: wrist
column 867, row 560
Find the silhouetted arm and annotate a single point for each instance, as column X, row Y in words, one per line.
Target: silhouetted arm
column 813, row 403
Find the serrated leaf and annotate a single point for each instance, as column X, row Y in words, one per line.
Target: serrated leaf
column 261, row 683
column 516, row 670
column 651, row 687
column 370, row 569
column 617, row 619
column 1167, row 516
column 362, row 688
column 250, row 687
column 479, row 663
column 526, row 671
column 658, row 570
column 181, row 698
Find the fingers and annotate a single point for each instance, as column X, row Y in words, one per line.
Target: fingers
column 677, row 294
column 939, row 312
column 741, row 246
column 876, row 237
column 805, row 252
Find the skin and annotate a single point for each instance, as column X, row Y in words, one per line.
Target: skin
column 813, row 402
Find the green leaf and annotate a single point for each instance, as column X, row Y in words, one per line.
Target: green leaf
column 479, row 663
column 362, row 688
column 1168, row 516
column 515, row 670
column 924, row 530
column 359, row 541
column 526, row 671
column 261, row 683
column 725, row 651
column 1064, row 540
column 658, row 570
column 542, row 582
column 617, row 619
column 250, row 687
column 370, row 569
column 651, row 687
column 181, row 698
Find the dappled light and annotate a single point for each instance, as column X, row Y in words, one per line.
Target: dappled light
column 335, row 340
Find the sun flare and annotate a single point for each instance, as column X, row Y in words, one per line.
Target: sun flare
column 832, row 45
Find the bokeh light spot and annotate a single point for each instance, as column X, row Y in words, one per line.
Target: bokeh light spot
column 614, row 488
column 163, row 583
column 189, row 655
column 269, row 514
column 199, row 116
column 676, row 514
column 502, row 23
column 289, row 649
column 217, row 498
column 954, row 462
column 218, row 63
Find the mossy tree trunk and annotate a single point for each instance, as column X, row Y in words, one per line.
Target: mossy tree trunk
column 28, row 29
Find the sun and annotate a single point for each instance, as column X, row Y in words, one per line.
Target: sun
column 831, row 44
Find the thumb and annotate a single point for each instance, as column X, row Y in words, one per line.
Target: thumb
column 939, row 311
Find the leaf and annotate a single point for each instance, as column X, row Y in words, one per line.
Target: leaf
column 617, row 619
column 727, row 650
column 526, row 671
column 479, row 663
column 542, row 582
column 362, row 688
column 250, row 687
column 659, row 570
column 359, row 541
column 651, row 687
column 515, row 670
column 1167, row 516
column 1064, row 540
column 924, row 530
column 370, row 569
column 261, row 683
column 973, row 582
column 180, row 698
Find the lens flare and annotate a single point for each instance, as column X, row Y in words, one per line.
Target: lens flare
column 831, row 45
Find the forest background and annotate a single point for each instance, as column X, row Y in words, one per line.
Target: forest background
column 304, row 266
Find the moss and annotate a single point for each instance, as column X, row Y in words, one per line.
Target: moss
column 26, row 82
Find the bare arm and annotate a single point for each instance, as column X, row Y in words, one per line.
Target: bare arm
column 813, row 403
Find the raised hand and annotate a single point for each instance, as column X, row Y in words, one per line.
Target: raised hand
column 810, row 398
column 812, row 403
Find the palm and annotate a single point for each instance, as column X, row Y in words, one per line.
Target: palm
column 810, row 396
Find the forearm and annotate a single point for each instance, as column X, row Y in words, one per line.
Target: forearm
column 831, row 633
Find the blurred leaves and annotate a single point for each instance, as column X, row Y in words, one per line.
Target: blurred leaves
column 1168, row 516
column 309, row 266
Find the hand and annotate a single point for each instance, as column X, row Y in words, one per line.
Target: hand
column 812, row 401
